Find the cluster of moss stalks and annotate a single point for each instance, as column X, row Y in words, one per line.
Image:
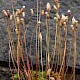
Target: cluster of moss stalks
column 24, row 69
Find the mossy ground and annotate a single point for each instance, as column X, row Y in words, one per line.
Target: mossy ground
column 6, row 75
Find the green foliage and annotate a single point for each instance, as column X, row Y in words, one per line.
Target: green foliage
column 40, row 75
column 15, row 76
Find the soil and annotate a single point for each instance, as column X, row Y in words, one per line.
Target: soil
column 4, row 73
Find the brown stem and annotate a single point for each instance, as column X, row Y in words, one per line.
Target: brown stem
column 64, row 55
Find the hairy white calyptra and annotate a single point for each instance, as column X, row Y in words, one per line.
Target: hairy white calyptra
column 32, row 11
column 40, row 37
column 74, row 21
column 64, row 18
column 5, row 13
column 48, row 7
column 42, row 12
column 23, row 14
